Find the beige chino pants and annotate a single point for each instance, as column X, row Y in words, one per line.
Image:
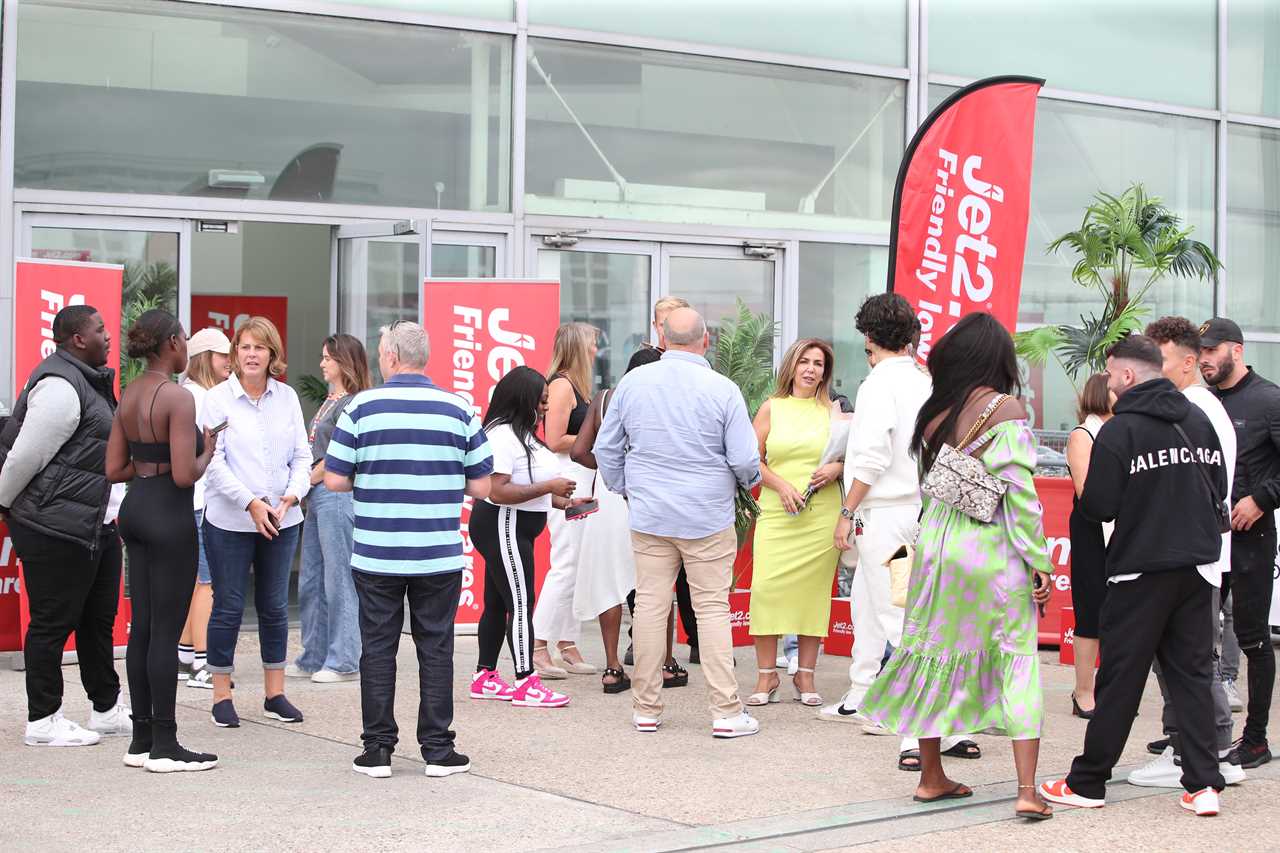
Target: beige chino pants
column 708, row 563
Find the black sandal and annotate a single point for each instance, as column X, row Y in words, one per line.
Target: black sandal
column 907, row 756
column 621, row 682
column 964, row 749
column 679, row 675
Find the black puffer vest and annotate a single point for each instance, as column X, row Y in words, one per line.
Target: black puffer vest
column 68, row 499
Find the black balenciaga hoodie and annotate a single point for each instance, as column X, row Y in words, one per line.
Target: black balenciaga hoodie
column 1143, row 476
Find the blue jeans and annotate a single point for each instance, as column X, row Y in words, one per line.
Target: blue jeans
column 231, row 553
column 202, row 562
column 326, row 592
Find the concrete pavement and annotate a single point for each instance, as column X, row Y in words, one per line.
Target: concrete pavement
column 576, row 778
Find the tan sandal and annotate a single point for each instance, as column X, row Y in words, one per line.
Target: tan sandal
column 579, row 668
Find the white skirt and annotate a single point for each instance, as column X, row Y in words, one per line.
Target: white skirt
column 606, row 563
column 553, row 615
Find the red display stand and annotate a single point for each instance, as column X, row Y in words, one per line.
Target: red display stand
column 1055, row 496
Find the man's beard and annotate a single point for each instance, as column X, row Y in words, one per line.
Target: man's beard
column 1222, row 371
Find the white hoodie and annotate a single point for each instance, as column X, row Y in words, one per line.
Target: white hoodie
column 884, row 417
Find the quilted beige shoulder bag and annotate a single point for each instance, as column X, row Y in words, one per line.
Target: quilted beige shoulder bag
column 962, row 482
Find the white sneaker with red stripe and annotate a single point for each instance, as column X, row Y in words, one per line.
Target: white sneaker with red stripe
column 740, row 725
column 645, row 724
column 1058, row 792
column 487, row 684
column 1203, row 803
column 531, row 693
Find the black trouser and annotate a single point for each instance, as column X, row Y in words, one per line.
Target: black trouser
column 69, row 589
column 433, row 603
column 504, row 536
column 684, row 605
column 1253, row 555
column 159, row 535
column 1162, row 615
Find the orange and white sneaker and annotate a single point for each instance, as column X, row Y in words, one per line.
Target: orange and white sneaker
column 1058, row 792
column 1203, row 803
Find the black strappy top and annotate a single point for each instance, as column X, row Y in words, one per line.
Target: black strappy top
column 157, row 452
column 579, row 413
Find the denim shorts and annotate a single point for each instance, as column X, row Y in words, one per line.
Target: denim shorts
column 202, row 562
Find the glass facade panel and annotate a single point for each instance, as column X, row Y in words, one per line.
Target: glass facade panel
column 1253, row 227
column 834, row 280
column 1155, row 52
column 1253, row 57
column 463, row 261
column 713, row 286
column 379, row 283
column 609, row 290
column 190, row 99
column 872, row 31
column 495, row 10
column 1264, row 358
column 678, row 138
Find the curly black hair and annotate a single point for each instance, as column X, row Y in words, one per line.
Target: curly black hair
column 1175, row 330
column 888, row 321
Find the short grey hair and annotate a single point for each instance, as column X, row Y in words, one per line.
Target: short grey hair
column 687, row 337
column 408, row 340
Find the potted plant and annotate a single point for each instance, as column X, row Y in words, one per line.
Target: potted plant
column 1125, row 245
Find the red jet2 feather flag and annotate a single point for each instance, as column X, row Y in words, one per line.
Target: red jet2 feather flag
column 960, row 207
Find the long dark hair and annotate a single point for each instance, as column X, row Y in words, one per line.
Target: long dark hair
column 516, row 400
column 976, row 353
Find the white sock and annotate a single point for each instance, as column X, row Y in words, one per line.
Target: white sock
column 199, row 660
column 186, row 654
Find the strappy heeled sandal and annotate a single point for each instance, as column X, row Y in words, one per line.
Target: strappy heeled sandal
column 579, row 668
column 757, row 699
column 679, row 675
column 813, row 700
column 620, row 681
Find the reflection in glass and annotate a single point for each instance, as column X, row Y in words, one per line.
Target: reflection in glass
column 463, row 261
column 834, row 280
column 194, row 99
column 713, row 286
column 1253, row 58
column 611, row 292
column 380, row 284
column 679, row 138
column 1253, row 227
column 150, row 260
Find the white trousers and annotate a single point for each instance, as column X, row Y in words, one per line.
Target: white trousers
column 876, row 622
column 553, row 617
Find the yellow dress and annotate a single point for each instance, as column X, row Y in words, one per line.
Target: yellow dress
column 794, row 556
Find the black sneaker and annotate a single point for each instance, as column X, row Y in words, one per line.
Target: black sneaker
column 280, row 708
column 1157, row 747
column 1248, row 755
column 374, row 762
column 177, row 759
column 454, row 762
column 225, row 716
column 185, row 671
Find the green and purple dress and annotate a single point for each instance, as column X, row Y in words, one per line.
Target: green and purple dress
column 968, row 661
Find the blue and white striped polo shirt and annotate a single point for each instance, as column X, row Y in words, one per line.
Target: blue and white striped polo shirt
column 410, row 447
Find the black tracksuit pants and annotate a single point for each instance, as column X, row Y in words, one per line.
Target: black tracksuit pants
column 504, row 536
column 1164, row 615
column 1253, row 555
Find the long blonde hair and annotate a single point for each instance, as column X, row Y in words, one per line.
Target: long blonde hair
column 571, row 356
column 200, row 370
column 791, row 363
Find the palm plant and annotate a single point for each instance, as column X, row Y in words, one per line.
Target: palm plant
column 143, row 287
column 1125, row 245
column 744, row 353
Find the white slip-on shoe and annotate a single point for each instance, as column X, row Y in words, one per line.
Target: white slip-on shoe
column 295, row 671
column 329, row 676
column 1162, row 772
column 1233, row 694
column 738, row 726
column 116, row 721
column 1204, row 803
column 57, row 730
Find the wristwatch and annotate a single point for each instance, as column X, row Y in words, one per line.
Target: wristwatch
column 845, row 512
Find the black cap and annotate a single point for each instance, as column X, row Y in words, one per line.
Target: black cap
column 1220, row 329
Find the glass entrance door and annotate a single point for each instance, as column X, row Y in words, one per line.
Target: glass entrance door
column 714, row 278
column 379, row 272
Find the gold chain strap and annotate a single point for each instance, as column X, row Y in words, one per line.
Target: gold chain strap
column 976, row 429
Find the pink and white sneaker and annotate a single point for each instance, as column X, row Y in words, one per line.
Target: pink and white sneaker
column 487, row 684
column 1203, row 803
column 530, row 693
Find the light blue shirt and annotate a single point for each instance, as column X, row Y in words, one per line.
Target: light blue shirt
column 677, row 442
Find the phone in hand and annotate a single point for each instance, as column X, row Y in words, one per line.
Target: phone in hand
column 1038, row 583
column 581, row 510
column 220, row 427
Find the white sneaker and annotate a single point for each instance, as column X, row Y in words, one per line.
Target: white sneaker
column 114, row 722
column 329, row 676
column 780, row 661
column 740, row 726
column 295, row 671
column 645, row 724
column 1162, row 772
column 1203, row 803
column 793, row 665
column 1233, row 695
column 1232, row 774
column 838, row 713
column 57, row 730
column 203, row 679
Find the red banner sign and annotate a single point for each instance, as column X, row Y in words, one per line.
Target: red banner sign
column 229, row 311
column 479, row 331
column 959, row 223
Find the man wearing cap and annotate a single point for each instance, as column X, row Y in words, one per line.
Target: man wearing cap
column 1253, row 404
column 208, row 364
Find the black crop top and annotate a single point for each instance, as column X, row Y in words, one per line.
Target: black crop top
column 578, row 415
column 157, row 452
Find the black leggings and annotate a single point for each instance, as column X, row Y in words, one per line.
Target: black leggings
column 159, row 533
column 504, row 537
column 1250, row 582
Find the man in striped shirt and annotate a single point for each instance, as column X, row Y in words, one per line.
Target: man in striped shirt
column 410, row 451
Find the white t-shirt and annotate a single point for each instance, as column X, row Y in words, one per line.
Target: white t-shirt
column 197, row 391
column 509, row 457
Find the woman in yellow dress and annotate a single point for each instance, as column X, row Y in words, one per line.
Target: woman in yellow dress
column 794, row 564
